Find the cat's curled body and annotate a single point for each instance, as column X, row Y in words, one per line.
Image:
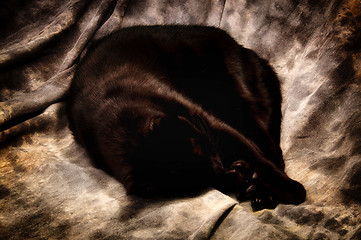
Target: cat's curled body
column 173, row 109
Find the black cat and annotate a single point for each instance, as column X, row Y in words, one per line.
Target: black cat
column 170, row 110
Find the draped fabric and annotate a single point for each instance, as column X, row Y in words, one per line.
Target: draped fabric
column 50, row 190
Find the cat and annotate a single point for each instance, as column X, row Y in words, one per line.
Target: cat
column 171, row 110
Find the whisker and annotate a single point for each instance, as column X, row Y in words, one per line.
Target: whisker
column 202, row 125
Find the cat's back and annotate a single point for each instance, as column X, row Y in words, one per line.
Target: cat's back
column 154, row 49
column 137, row 41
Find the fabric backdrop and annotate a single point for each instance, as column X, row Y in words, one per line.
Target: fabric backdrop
column 50, row 190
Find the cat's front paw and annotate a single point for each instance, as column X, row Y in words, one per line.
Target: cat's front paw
column 262, row 199
column 259, row 195
column 238, row 177
column 263, row 196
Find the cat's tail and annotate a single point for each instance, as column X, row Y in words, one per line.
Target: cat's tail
column 283, row 188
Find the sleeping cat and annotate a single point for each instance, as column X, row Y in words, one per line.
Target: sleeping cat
column 171, row 110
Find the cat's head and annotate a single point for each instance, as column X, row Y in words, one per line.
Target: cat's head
column 176, row 150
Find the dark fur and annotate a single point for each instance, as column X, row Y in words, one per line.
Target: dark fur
column 173, row 109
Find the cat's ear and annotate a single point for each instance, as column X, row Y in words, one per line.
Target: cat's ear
column 173, row 125
column 172, row 131
column 179, row 134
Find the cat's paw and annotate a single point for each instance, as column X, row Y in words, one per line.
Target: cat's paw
column 262, row 198
column 243, row 168
column 243, row 172
column 263, row 202
column 238, row 177
column 259, row 195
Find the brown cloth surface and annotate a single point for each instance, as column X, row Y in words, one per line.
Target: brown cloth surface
column 49, row 189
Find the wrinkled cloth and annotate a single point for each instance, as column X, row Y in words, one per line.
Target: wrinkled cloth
column 50, row 190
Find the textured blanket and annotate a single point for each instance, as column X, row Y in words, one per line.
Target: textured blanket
column 50, row 190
